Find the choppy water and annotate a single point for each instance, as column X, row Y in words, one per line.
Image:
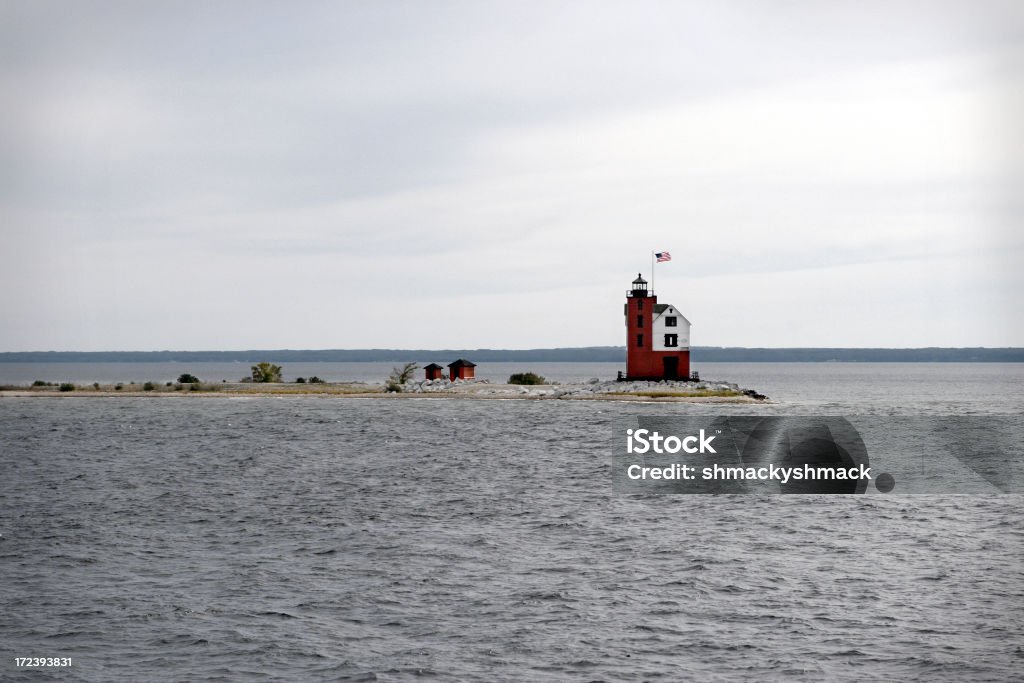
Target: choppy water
column 302, row 538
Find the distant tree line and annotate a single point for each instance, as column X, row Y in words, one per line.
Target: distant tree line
column 714, row 354
column 589, row 354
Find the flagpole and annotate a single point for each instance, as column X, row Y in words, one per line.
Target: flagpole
column 652, row 273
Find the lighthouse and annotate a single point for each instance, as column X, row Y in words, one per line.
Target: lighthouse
column 657, row 337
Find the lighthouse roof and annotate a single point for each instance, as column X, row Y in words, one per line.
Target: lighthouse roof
column 639, row 280
column 661, row 309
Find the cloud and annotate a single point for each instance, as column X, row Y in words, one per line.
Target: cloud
column 174, row 163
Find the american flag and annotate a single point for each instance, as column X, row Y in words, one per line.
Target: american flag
column 662, row 256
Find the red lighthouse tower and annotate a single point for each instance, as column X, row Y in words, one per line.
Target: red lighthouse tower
column 657, row 337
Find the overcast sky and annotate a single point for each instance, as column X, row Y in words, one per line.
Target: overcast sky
column 219, row 175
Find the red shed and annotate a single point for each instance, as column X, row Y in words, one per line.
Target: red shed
column 433, row 371
column 461, row 369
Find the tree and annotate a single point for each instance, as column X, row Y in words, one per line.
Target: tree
column 266, row 372
column 400, row 376
column 186, row 378
column 526, row 378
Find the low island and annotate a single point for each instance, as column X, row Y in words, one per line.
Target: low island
column 591, row 390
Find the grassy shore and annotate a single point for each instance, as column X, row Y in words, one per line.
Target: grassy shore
column 225, row 388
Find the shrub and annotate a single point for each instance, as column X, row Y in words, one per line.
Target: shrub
column 118, row 387
column 178, row 386
column 167, row 384
column 148, row 386
column 526, row 378
column 41, row 383
column 96, row 386
column 194, row 386
column 67, row 386
column 266, row 372
column 300, row 380
column 186, row 378
column 399, row 376
column 315, row 380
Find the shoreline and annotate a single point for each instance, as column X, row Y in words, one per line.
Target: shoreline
column 644, row 392
column 381, row 396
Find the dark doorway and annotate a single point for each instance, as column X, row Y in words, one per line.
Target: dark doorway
column 671, row 367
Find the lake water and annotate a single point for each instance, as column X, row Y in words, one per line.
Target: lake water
column 307, row 538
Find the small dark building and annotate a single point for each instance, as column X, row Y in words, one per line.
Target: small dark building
column 461, row 369
column 433, row 371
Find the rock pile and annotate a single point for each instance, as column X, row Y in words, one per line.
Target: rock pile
column 591, row 388
column 435, row 385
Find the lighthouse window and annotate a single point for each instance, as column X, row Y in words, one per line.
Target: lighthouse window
column 640, row 304
column 639, row 340
column 671, row 340
column 639, row 321
column 670, row 321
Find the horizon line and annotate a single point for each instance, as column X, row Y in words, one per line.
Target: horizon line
column 519, row 350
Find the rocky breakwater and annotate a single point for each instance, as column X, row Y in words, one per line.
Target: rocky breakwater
column 595, row 389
